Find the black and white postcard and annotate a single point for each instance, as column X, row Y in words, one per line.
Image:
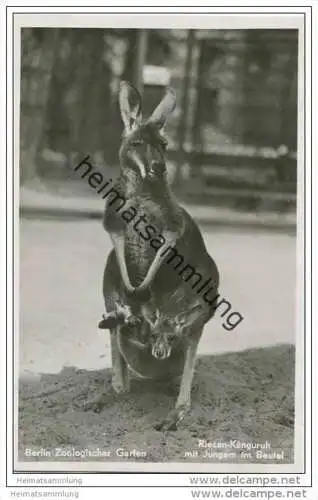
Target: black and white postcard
column 159, row 177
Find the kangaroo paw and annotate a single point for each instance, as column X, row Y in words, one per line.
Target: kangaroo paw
column 173, row 419
column 125, row 312
column 132, row 320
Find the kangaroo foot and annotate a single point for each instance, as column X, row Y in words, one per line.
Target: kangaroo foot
column 132, row 320
column 120, row 387
column 173, row 419
column 120, row 378
column 110, row 321
column 125, row 312
column 122, row 316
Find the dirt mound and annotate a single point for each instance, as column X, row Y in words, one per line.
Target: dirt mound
column 246, row 397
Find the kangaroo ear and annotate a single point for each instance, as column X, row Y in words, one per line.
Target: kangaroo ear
column 129, row 105
column 164, row 109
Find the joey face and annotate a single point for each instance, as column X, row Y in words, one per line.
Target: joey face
column 166, row 334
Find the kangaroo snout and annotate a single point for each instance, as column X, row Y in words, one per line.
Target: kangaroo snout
column 161, row 350
column 162, row 343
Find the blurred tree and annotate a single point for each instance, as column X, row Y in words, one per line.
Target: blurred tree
column 92, row 85
column 68, row 99
column 158, row 51
column 38, row 54
column 206, row 110
column 87, row 78
column 184, row 115
column 80, row 88
column 270, row 65
column 249, row 97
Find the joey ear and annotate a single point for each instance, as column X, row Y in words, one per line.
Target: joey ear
column 186, row 318
column 129, row 105
column 164, row 109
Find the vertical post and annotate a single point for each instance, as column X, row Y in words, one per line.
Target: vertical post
column 184, row 114
column 196, row 128
column 142, row 45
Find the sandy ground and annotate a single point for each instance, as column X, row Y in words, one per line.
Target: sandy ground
column 61, row 298
column 247, row 397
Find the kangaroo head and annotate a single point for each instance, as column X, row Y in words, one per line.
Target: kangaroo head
column 143, row 144
column 163, row 338
column 167, row 331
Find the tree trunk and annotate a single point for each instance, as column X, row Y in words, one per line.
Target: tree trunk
column 184, row 115
column 37, row 60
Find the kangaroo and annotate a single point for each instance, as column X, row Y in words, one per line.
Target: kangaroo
column 155, row 315
column 142, row 148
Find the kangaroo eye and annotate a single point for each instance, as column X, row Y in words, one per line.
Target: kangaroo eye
column 163, row 141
